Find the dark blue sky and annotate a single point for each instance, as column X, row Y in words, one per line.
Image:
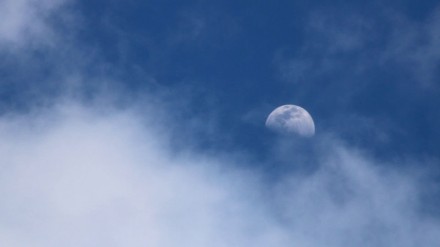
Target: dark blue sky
column 366, row 71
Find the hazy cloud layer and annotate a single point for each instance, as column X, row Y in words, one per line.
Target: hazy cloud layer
column 92, row 177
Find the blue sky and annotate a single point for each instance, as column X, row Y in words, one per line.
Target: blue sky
column 144, row 120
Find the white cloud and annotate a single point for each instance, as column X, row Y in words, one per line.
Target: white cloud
column 76, row 179
column 73, row 176
column 26, row 22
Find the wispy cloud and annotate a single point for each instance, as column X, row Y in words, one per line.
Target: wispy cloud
column 335, row 41
column 415, row 46
column 27, row 22
column 76, row 176
column 330, row 40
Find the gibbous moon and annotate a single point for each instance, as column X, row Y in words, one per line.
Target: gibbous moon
column 291, row 119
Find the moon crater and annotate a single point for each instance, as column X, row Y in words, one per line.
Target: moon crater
column 291, row 119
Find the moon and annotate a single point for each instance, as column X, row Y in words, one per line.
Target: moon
column 291, row 119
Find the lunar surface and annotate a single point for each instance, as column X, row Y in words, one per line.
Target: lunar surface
column 291, row 119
